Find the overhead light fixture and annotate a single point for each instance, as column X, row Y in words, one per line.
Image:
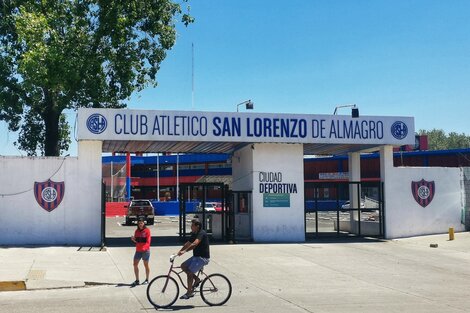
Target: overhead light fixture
column 354, row 110
column 248, row 105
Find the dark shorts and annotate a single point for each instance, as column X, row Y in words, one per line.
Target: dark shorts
column 142, row 255
column 195, row 263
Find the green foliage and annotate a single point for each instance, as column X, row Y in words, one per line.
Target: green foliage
column 57, row 55
column 32, row 135
column 438, row 140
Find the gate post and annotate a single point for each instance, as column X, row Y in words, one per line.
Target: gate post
column 103, row 214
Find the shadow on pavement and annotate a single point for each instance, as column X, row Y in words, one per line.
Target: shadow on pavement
column 181, row 307
column 156, row 241
column 167, row 241
column 329, row 238
column 172, row 308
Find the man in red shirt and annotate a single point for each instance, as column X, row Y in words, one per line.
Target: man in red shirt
column 142, row 240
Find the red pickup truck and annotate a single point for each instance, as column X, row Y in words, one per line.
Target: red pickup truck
column 140, row 209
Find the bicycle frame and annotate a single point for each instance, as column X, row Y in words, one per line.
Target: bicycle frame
column 209, row 287
column 177, row 273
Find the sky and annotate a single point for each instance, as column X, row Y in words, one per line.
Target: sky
column 390, row 58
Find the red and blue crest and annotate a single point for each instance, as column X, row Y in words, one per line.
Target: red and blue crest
column 49, row 194
column 423, row 191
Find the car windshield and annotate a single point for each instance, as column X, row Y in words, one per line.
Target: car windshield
column 140, row 203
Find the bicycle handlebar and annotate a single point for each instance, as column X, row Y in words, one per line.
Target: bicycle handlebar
column 173, row 257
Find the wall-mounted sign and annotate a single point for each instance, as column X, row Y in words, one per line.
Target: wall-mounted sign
column 125, row 124
column 271, row 182
column 276, row 200
column 49, row 194
column 334, row 175
column 423, row 191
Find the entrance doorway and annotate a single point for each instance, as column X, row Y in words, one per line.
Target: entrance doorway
column 242, row 204
column 209, row 203
column 330, row 211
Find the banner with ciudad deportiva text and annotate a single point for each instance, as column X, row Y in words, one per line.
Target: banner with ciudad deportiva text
column 157, row 125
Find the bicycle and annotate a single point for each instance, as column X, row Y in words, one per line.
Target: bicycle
column 163, row 291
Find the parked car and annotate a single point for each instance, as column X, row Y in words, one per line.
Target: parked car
column 140, row 209
column 347, row 204
column 209, row 207
column 218, row 207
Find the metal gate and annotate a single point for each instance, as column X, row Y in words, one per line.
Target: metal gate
column 330, row 211
column 210, row 203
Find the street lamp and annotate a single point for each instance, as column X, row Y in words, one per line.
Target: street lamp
column 248, row 105
column 157, row 178
column 354, row 110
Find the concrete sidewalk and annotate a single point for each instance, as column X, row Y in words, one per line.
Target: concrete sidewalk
column 403, row 275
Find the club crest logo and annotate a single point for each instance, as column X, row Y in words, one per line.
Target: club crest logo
column 49, row 194
column 399, row 130
column 423, row 191
column 96, row 123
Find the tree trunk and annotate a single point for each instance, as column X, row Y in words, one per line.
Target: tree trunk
column 51, row 142
column 51, row 123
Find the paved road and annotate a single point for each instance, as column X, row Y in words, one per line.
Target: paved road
column 164, row 231
column 168, row 226
column 326, row 276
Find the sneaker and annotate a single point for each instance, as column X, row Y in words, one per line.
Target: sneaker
column 196, row 283
column 187, row 296
column 135, row 283
column 145, row 282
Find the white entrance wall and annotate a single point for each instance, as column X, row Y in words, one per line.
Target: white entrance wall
column 278, row 213
column 404, row 217
column 77, row 219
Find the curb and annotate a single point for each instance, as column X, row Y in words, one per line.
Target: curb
column 12, row 285
column 47, row 285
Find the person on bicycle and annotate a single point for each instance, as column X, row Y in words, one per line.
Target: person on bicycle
column 199, row 243
column 142, row 239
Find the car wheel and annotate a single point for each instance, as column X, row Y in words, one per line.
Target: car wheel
column 150, row 221
column 128, row 221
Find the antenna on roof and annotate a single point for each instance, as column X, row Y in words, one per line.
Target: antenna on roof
column 192, row 74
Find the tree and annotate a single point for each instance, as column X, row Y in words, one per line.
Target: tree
column 61, row 55
column 438, row 140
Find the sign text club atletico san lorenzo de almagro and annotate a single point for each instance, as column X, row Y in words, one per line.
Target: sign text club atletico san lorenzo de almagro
column 124, row 124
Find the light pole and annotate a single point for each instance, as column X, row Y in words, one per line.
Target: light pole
column 112, row 183
column 177, row 177
column 112, row 180
column 157, row 178
column 248, row 105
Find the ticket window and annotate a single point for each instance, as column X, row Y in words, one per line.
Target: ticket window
column 243, row 212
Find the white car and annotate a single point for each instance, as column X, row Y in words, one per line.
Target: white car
column 347, row 204
column 209, row 207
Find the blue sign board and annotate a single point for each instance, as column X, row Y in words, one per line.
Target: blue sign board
column 276, row 200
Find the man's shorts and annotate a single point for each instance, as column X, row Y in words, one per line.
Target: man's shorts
column 195, row 263
column 145, row 255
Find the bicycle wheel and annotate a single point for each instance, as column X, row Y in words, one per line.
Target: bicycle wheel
column 215, row 289
column 160, row 298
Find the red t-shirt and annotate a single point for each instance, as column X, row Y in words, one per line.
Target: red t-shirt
column 143, row 239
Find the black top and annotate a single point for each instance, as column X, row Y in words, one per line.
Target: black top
column 202, row 249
